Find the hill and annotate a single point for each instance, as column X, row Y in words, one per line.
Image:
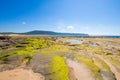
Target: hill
column 38, row 32
column 51, row 33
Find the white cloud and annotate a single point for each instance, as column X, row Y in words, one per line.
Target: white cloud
column 66, row 28
column 70, row 27
column 23, row 23
column 86, row 28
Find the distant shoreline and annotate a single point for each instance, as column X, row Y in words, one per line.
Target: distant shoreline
column 59, row 36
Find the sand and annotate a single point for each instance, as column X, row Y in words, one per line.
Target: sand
column 79, row 71
column 20, row 74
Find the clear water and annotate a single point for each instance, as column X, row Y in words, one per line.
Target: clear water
column 93, row 44
column 75, row 41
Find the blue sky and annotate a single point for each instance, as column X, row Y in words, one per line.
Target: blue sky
column 95, row 17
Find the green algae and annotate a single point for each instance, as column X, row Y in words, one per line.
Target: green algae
column 93, row 49
column 30, row 50
column 114, row 60
column 60, row 69
column 55, row 49
column 102, row 65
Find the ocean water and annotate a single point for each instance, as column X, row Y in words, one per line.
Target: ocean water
column 84, row 36
column 112, row 36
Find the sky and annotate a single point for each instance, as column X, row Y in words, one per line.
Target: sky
column 94, row 17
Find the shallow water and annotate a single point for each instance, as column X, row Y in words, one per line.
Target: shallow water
column 75, row 41
column 93, row 44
